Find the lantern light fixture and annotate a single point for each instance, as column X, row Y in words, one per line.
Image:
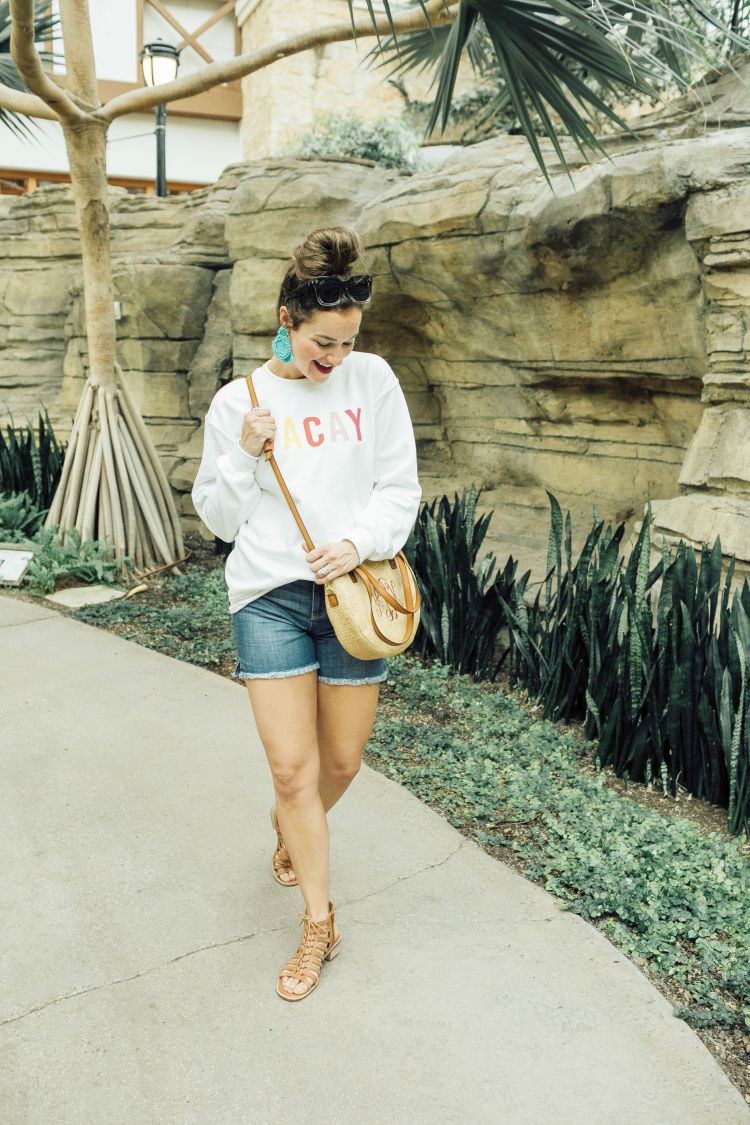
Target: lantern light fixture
column 159, row 62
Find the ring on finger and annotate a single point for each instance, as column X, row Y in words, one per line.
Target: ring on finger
column 324, row 570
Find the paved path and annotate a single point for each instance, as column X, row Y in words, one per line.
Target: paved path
column 142, row 932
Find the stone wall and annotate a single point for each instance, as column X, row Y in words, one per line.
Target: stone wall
column 590, row 340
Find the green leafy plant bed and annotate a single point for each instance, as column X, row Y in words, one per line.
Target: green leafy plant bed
column 185, row 616
column 670, row 893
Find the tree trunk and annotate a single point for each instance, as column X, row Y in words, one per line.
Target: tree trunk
column 113, row 486
column 86, row 145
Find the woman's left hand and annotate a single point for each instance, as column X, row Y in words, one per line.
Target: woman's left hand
column 339, row 558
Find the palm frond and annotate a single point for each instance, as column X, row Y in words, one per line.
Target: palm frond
column 374, row 16
column 416, row 50
column 560, row 60
column 46, row 27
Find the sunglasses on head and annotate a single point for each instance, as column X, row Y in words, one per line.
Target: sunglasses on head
column 330, row 291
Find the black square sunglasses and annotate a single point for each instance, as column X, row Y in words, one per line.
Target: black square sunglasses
column 330, row 291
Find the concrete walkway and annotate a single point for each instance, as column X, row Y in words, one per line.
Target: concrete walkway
column 142, row 933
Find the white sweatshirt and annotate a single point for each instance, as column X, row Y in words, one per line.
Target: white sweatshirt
column 347, row 453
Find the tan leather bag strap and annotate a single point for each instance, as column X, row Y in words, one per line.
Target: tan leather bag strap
column 282, row 483
column 371, row 582
column 412, row 601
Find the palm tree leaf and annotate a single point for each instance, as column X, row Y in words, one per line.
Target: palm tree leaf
column 552, row 55
column 374, row 18
column 535, row 53
column 46, row 26
column 458, row 35
column 416, row 50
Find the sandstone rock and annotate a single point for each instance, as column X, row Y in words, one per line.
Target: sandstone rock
column 212, row 363
column 183, row 474
column 272, row 208
column 253, row 292
column 143, row 354
column 718, row 455
column 700, row 517
column 586, row 339
column 723, row 211
column 38, row 293
column 159, row 394
column 162, row 302
column 169, row 437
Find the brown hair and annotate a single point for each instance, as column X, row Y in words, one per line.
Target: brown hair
column 326, row 251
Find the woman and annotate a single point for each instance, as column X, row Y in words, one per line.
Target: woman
column 340, row 430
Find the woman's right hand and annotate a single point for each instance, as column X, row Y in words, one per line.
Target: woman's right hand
column 258, row 427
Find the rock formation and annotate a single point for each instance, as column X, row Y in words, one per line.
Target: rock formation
column 591, row 339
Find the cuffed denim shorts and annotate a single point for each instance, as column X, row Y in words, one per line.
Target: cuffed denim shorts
column 287, row 632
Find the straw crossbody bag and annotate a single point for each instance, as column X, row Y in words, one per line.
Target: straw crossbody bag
column 374, row 609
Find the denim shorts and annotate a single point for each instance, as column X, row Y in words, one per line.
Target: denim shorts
column 287, row 632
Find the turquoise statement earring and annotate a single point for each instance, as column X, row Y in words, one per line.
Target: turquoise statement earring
column 281, row 345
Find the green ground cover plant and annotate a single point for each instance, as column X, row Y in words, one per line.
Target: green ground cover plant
column 673, row 898
column 74, row 561
column 20, row 519
column 192, row 625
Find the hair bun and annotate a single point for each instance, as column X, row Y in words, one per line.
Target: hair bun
column 327, row 250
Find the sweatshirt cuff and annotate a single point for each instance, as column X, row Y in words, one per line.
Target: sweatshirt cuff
column 241, row 460
column 364, row 541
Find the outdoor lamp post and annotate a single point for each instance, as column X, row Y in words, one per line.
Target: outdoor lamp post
column 160, row 62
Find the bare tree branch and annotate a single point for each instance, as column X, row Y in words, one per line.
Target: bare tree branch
column 79, row 51
column 29, row 64
column 27, row 104
column 146, row 98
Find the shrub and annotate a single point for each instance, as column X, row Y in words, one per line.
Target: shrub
column 31, row 463
column 20, row 519
column 389, row 142
column 664, row 694
column 462, row 603
column 89, row 561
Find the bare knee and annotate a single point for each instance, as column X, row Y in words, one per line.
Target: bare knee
column 343, row 765
column 293, row 783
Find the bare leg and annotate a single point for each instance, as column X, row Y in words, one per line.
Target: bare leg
column 345, row 718
column 285, row 713
column 313, row 735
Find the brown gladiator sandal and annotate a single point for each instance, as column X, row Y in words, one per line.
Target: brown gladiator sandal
column 281, row 859
column 320, row 942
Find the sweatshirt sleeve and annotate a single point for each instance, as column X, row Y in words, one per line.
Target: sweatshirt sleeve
column 384, row 524
column 225, row 491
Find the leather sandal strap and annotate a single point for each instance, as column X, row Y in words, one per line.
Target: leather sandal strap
column 306, row 964
column 279, row 862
